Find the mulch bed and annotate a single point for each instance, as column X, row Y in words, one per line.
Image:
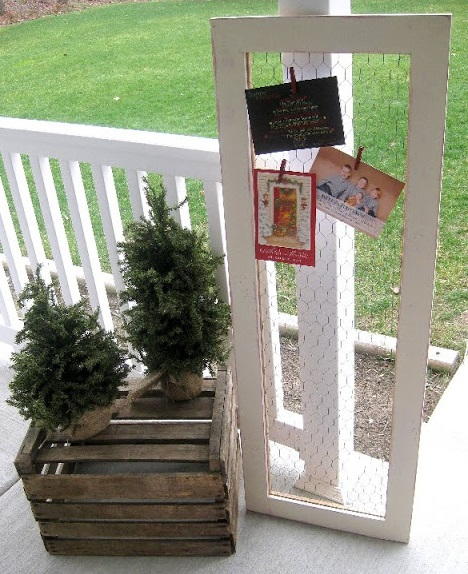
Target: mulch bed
column 21, row 10
column 374, row 384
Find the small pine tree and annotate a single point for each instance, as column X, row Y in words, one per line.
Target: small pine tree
column 179, row 324
column 67, row 365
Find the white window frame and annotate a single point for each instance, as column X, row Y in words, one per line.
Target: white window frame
column 426, row 40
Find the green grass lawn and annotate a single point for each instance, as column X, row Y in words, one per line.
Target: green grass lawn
column 148, row 66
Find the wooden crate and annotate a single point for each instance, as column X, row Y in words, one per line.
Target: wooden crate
column 161, row 479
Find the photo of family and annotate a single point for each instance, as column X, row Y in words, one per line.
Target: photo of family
column 362, row 198
column 285, row 216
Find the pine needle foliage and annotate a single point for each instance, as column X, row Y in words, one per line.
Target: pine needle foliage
column 67, row 365
column 179, row 323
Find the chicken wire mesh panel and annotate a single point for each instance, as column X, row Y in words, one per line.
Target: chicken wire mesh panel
column 329, row 405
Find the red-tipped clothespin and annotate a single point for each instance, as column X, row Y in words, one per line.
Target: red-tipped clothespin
column 292, row 75
column 358, row 157
column 282, row 170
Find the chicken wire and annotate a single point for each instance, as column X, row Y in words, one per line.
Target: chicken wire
column 320, row 415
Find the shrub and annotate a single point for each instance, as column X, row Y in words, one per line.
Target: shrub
column 179, row 323
column 68, row 364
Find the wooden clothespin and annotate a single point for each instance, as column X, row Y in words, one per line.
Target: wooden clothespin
column 358, row 157
column 292, row 75
column 282, row 170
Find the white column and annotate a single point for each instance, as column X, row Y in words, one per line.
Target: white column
column 325, row 298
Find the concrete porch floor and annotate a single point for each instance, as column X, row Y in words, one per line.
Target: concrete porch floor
column 438, row 545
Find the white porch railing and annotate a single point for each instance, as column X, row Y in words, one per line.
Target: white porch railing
column 27, row 148
column 139, row 153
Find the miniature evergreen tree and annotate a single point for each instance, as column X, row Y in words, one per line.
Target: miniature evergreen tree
column 179, row 324
column 67, row 366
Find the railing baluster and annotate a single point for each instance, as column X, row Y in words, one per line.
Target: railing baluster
column 55, row 230
column 137, row 153
column 176, row 192
column 110, row 214
column 136, row 190
column 25, row 210
column 10, row 245
column 7, row 305
column 77, row 203
column 215, row 213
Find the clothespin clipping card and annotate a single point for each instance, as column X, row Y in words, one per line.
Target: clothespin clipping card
column 292, row 75
column 282, row 170
column 357, row 161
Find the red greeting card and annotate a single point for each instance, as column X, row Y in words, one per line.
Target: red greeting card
column 285, row 216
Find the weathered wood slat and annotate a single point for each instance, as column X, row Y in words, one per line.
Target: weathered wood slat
column 24, row 461
column 227, row 427
column 171, row 432
column 125, row 452
column 159, row 393
column 207, row 391
column 228, row 467
column 144, row 432
column 134, row 529
column 232, row 470
column 217, row 421
column 126, row 486
column 159, row 512
column 162, row 408
column 139, row 547
column 208, row 387
column 233, row 503
column 129, row 511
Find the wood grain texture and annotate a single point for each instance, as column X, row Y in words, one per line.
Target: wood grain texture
column 208, row 388
column 233, row 469
column 126, row 486
column 134, row 513
column 135, row 529
column 217, row 421
column 162, row 408
column 128, row 511
column 125, row 452
column 24, row 461
column 139, row 547
column 232, row 506
column 135, row 433
column 228, row 428
column 229, row 470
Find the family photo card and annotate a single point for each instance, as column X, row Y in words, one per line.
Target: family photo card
column 282, row 118
column 362, row 198
column 285, row 209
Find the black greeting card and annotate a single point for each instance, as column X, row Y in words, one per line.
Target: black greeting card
column 284, row 118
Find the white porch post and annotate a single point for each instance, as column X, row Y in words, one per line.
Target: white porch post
column 325, row 297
